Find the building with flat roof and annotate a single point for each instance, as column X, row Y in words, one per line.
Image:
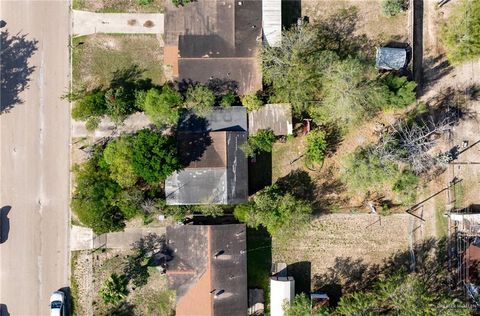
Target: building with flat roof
column 209, row 269
column 275, row 117
column 391, row 58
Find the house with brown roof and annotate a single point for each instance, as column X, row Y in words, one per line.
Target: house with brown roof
column 216, row 169
column 209, row 269
column 215, row 39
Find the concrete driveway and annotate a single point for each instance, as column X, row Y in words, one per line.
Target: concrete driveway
column 85, row 23
column 34, row 156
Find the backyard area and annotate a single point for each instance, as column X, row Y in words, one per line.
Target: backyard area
column 95, row 58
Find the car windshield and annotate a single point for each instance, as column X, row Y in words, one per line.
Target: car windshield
column 56, row 304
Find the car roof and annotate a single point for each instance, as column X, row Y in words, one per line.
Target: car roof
column 57, row 296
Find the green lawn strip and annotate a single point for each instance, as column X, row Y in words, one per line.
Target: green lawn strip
column 73, row 284
column 441, row 221
column 259, row 260
column 119, row 6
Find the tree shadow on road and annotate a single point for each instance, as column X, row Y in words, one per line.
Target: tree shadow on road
column 4, row 223
column 15, row 52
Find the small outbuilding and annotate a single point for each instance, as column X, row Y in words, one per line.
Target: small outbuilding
column 275, row 117
column 282, row 291
column 390, row 58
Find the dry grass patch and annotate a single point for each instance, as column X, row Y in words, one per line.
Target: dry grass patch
column 100, row 55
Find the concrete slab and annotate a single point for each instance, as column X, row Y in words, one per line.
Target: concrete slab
column 81, row 238
column 85, row 23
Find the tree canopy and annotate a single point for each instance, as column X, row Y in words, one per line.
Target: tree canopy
column 200, row 99
column 162, row 106
column 154, row 156
column 316, row 146
column 461, row 32
column 262, row 141
column 280, row 213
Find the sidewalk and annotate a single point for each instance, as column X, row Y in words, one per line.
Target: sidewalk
column 82, row 238
column 85, row 23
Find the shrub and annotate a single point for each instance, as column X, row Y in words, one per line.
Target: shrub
column 144, row 2
column 316, row 146
column 262, row 141
column 364, row 171
column 200, row 99
column 461, row 34
column 92, row 105
column 162, row 107
column 281, row 214
column 114, row 290
column 251, row 101
column 392, row 7
column 228, row 99
column 402, row 91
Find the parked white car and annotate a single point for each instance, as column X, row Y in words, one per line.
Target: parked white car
column 57, row 304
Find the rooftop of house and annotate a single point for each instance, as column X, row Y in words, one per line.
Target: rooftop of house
column 275, row 117
column 216, row 170
column 215, row 39
column 208, row 269
column 390, row 58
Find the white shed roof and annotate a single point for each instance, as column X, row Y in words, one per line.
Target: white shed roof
column 272, row 22
column 282, row 289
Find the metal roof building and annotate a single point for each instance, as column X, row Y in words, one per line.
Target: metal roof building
column 216, row 170
column 272, row 22
column 275, row 117
column 389, row 58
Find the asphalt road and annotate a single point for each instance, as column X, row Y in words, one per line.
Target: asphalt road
column 34, row 155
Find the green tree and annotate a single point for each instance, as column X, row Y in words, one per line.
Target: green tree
column 120, row 103
column 114, row 290
column 118, row 156
column 364, row 171
column 93, row 104
column 94, row 196
column 461, row 32
column 279, row 213
column 162, row 107
column 402, row 91
column 154, row 156
column 392, row 7
column 402, row 295
column 251, row 102
column 200, row 99
column 351, row 93
column 182, row 3
column 316, row 147
column 262, row 141
column 228, row 99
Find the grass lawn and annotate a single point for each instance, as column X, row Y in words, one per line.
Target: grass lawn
column 96, row 57
column 119, row 6
column 73, row 285
column 259, row 260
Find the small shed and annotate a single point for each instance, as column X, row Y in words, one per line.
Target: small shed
column 275, row 117
column 390, row 58
column 282, row 290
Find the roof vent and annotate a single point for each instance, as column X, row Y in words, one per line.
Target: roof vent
column 221, row 252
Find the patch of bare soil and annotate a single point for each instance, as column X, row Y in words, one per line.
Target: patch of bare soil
column 364, row 237
column 370, row 19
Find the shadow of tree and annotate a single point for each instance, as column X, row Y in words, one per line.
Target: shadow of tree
column 299, row 184
column 435, row 68
column 15, row 70
column 427, row 259
column 337, row 33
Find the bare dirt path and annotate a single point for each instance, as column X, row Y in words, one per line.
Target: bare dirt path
column 34, row 159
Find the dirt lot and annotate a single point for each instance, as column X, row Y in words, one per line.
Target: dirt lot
column 91, row 271
column 370, row 19
column 330, row 238
column 96, row 57
column 118, row 6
